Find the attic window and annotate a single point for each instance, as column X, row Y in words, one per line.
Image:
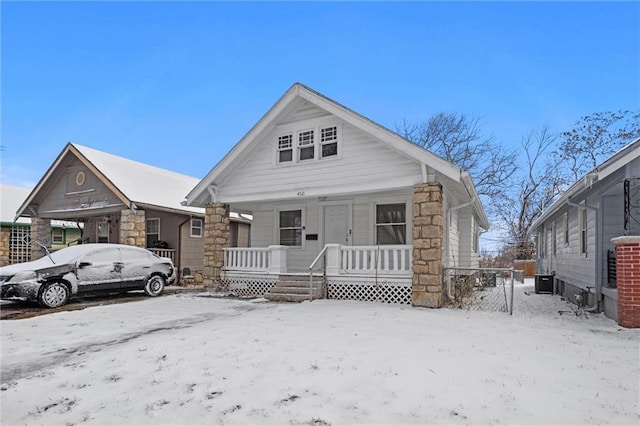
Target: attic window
column 285, row 148
column 305, row 145
column 329, row 141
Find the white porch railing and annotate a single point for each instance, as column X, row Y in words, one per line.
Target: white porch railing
column 272, row 259
column 383, row 260
column 340, row 260
column 170, row 253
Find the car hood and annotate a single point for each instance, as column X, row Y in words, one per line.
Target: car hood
column 34, row 265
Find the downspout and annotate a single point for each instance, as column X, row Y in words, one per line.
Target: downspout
column 598, row 270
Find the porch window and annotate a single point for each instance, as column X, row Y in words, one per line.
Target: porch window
column 391, row 224
column 57, row 236
column 291, row 228
column 328, row 141
column 153, row 231
column 103, row 232
column 196, row 228
column 306, row 148
column 285, row 148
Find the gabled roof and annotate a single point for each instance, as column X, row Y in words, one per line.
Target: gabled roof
column 299, row 92
column 134, row 183
column 10, row 198
column 618, row 160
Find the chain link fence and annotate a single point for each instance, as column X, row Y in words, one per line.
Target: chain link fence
column 481, row 289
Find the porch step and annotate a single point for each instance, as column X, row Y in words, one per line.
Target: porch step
column 294, row 288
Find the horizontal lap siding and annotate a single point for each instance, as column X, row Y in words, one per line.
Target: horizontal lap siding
column 364, row 163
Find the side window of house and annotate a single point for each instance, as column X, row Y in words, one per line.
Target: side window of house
column 153, row 231
column 391, row 224
column 291, row 228
column 57, row 236
column 554, row 239
column 542, row 243
column 565, row 227
column 583, row 230
column 196, row 228
column 103, row 232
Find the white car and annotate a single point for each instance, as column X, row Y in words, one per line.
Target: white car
column 87, row 269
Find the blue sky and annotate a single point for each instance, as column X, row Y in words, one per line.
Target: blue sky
column 176, row 85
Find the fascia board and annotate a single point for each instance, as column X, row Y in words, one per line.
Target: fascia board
column 266, row 121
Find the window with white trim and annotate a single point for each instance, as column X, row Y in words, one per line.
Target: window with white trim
column 583, row 230
column 306, row 145
column 57, row 236
column 554, row 241
column 391, row 223
column 328, row 141
column 153, row 231
column 290, row 227
column 285, row 148
column 565, row 228
column 311, row 143
column 196, row 228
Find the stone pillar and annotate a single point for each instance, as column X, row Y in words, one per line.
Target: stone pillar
column 133, row 228
column 216, row 234
column 40, row 233
column 5, row 242
column 428, row 233
column 628, row 280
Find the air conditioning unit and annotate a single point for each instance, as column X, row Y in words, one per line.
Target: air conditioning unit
column 543, row 284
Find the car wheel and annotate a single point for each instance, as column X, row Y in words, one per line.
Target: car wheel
column 53, row 295
column 154, row 285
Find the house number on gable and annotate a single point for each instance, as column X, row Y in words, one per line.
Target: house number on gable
column 300, row 194
column 80, row 178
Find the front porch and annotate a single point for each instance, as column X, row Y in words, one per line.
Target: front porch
column 369, row 273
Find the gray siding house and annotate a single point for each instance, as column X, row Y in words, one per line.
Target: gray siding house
column 574, row 234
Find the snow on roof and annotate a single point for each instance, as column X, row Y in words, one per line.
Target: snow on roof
column 142, row 183
column 11, row 197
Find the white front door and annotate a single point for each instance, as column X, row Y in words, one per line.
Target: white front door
column 336, row 224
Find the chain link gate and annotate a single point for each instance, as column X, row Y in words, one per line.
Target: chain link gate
column 481, row 289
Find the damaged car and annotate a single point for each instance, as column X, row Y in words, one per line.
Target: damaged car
column 88, row 269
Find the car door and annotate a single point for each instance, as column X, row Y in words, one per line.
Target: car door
column 136, row 267
column 100, row 270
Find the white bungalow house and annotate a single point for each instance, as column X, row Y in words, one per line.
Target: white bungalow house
column 334, row 193
column 575, row 233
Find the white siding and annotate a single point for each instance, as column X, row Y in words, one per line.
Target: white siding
column 364, row 164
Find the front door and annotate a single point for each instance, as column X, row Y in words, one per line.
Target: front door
column 336, row 224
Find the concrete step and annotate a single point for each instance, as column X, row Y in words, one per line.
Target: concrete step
column 294, row 290
column 303, row 284
column 276, row 297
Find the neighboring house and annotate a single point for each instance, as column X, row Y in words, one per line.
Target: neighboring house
column 574, row 234
column 323, row 182
column 119, row 201
column 15, row 236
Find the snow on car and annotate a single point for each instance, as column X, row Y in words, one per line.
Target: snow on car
column 86, row 270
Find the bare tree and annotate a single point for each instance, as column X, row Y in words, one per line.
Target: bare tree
column 532, row 190
column 596, row 137
column 459, row 139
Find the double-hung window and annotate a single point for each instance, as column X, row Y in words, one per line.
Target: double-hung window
column 153, row 231
column 57, row 236
column 285, row 148
column 565, row 227
column 328, row 141
column 391, row 223
column 290, row 225
column 583, row 230
column 306, row 145
column 196, row 228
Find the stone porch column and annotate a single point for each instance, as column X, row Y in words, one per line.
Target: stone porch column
column 133, row 228
column 216, row 234
column 428, row 232
column 628, row 280
column 41, row 233
column 5, row 241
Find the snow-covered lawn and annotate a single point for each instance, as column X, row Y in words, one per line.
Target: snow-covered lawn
column 188, row 359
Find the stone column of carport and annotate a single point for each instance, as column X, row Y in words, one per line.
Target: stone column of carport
column 628, row 280
column 5, row 241
column 40, row 233
column 428, row 233
column 133, row 228
column 216, row 234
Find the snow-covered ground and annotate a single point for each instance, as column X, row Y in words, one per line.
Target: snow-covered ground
column 189, row 359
